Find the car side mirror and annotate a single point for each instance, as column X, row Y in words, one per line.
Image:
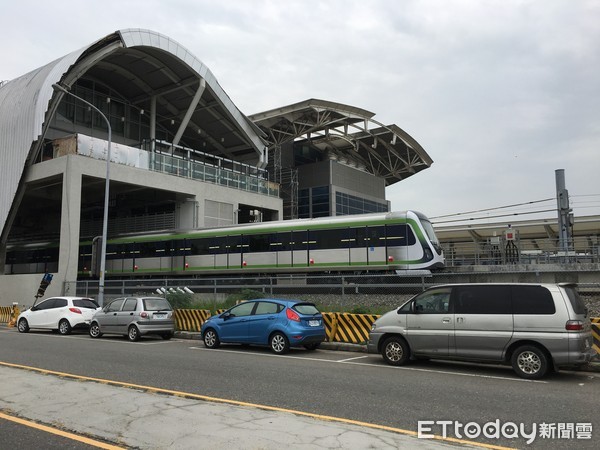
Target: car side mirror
column 226, row 315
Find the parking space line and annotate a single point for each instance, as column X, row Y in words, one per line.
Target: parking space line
column 382, row 366
column 58, row 432
column 352, row 359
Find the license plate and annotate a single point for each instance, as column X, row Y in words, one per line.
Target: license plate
column 160, row 316
column 314, row 323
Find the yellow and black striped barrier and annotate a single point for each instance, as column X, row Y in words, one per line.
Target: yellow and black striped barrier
column 9, row 314
column 347, row 327
column 339, row 327
column 5, row 314
column 190, row 319
column 596, row 334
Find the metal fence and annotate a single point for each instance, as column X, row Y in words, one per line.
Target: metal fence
column 524, row 251
column 375, row 293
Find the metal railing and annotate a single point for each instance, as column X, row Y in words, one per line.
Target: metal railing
column 212, row 174
column 335, row 292
column 525, row 251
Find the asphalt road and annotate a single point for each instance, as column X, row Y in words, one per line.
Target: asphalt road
column 341, row 384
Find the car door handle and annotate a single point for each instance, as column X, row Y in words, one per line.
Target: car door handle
column 446, row 320
column 271, row 318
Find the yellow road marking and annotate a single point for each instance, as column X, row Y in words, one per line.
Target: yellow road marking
column 58, row 432
column 249, row 405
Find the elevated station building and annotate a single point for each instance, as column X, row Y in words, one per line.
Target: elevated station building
column 182, row 155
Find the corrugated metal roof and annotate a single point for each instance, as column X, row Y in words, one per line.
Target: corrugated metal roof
column 23, row 105
column 24, row 101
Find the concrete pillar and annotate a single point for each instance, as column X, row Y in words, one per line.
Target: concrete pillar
column 70, row 220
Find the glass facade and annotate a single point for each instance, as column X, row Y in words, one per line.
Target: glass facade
column 346, row 204
column 125, row 119
column 315, row 202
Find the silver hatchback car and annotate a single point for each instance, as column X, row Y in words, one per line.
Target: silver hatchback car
column 134, row 317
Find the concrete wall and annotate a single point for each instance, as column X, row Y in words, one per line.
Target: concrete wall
column 22, row 288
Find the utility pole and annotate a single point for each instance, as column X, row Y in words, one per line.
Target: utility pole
column 564, row 212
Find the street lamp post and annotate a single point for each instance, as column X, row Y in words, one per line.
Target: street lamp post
column 59, row 88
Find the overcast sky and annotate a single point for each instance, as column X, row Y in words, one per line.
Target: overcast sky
column 500, row 93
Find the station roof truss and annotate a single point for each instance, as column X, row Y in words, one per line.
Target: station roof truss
column 347, row 134
column 148, row 72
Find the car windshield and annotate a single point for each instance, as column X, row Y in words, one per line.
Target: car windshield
column 306, row 308
column 85, row 303
column 156, row 304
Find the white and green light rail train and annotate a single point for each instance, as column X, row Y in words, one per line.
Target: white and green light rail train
column 381, row 242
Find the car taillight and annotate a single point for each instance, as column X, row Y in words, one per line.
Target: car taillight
column 574, row 325
column 75, row 310
column 144, row 315
column 292, row 315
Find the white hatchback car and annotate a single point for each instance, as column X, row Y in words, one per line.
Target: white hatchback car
column 61, row 314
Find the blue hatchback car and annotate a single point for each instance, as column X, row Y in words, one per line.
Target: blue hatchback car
column 280, row 324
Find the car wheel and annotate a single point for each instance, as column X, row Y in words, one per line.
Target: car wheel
column 311, row 346
column 279, row 343
column 23, row 326
column 64, row 327
column 211, row 339
column 166, row 336
column 95, row 330
column 529, row 362
column 133, row 333
column 395, row 351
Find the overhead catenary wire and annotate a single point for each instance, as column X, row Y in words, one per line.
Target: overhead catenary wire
column 494, row 216
column 580, row 202
column 492, row 209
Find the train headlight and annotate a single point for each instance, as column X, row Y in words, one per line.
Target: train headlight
column 428, row 254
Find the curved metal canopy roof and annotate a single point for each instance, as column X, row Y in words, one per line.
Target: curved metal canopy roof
column 348, row 134
column 136, row 66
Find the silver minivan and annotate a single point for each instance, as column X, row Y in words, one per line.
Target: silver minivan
column 533, row 327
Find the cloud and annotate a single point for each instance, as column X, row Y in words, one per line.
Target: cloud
column 499, row 93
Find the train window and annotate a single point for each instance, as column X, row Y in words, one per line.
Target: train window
column 234, row 244
column 200, row 246
column 180, row 247
column 281, row 241
column 119, row 251
column 154, row 249
column 299, row 240
column 259, row 243
column 217, row 245
column 375, row 236
column 326, row 239
column 398, row 235
column 357, row 237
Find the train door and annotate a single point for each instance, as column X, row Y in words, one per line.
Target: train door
column 358, row 249
column 218, row 249
column 299, row 248
column 281, row 244
column 179, row 251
